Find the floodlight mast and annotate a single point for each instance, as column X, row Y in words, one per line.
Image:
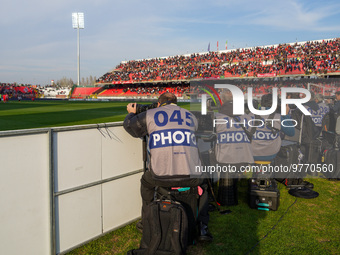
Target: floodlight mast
column 78, row 23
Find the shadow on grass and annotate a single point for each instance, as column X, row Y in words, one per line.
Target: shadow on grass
column 234, row 233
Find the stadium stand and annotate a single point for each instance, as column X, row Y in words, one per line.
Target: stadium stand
column 22, row 91
column 111, row 92
column 28, row 91
column 317, row 57
column 151, row 90
column 81, row 92
column 149, row 77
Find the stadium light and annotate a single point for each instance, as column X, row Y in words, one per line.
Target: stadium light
column 78, row 23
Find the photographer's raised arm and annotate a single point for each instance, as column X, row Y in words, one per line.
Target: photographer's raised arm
column 135, row 124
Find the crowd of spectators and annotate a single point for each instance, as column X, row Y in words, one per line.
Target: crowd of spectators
column 156, row 90
column 143, row 90
column 327, row 87
column 22, row 91
column 305, row 58
column 14, row 90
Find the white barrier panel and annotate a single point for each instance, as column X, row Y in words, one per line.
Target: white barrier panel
column 93, row 159
column 85, row 156
column 78, row 217
column 25, row 226
column 121, row 153
column 121, row 201
column 62, row 187
column 77, row 158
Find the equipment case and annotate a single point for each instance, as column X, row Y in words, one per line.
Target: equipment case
column 264, row 195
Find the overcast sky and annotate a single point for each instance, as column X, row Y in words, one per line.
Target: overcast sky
column 38, row 43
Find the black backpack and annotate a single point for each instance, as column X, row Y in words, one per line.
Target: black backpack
column 165, row 229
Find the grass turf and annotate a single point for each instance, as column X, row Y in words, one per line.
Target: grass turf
column 42, row 113
column 38, row 114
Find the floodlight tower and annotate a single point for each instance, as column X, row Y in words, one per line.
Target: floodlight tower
column 78, row 23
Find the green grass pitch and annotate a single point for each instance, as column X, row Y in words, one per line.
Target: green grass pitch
column 16, row 115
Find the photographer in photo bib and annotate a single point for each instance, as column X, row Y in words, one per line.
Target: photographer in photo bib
column 232, row 148
column 266, row 142
column 173, row 153
column 336, row 106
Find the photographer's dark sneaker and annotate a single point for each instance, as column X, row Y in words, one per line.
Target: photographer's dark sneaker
column 204, row 234
column 211, row 208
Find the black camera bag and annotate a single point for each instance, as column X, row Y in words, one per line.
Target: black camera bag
column 165, row 229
